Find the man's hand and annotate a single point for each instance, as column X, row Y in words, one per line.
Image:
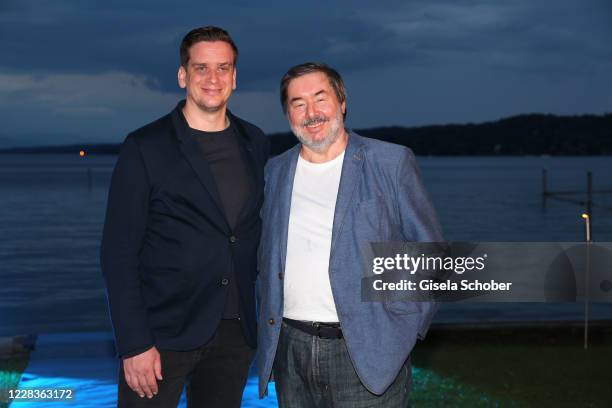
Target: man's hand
column 141, row 372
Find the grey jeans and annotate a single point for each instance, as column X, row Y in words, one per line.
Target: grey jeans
column 313, row 372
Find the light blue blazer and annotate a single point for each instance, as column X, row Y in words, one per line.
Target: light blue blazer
column 380, row 198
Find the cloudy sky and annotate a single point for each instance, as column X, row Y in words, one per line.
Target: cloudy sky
column 85, row 71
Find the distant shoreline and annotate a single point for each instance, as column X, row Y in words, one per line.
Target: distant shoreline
column 523, row 135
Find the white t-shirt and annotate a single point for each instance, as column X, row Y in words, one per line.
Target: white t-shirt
column 308, row 295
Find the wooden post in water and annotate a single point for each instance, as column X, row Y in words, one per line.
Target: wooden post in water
column 587, row 225
column 544, row 187
column 589, row 201
column 588, row 238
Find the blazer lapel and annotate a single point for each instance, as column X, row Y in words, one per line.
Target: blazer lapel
column 284, row 198
column 190, row 149
column 253, row 167
column 351, row 173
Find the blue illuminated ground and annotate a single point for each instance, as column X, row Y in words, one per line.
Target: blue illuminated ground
column 85, row 363
column 478, row 372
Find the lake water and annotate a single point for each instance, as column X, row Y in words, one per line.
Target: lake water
column 51, row 216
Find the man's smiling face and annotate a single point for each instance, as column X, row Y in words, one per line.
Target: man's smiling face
column 314, row 111
column 210, row 76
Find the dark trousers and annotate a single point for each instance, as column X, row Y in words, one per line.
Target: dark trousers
column 313, row 372
column 215, row 374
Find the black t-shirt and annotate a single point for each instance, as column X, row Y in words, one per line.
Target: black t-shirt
column 222, row 153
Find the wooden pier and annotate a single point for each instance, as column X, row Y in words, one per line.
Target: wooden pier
column 570, row 195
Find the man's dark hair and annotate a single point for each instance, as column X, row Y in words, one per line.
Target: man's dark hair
column 208, row 33
column 335, row 80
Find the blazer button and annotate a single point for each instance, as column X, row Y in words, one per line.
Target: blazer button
column 224, row 281
column 280, row 275
column 233, row 239
column 271, row 322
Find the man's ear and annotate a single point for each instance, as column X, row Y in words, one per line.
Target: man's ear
column 234, row 79
column 343, row 106
column 182, row 75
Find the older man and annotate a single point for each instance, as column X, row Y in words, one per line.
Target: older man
column 324, row 198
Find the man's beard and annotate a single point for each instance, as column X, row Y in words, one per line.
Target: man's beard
column 321, row 145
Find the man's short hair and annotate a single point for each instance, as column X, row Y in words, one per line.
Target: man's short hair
column 335, row 80
column 208, row 33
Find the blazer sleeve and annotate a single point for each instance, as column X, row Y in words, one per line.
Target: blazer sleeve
column 418, row 219
column 122, row 240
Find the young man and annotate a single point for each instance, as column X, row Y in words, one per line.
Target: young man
column 325, row 197
column 180, row 240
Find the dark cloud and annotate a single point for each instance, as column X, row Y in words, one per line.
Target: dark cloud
column 391, row 49
column 143, row 39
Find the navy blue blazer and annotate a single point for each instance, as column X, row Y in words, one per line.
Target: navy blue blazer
column 167, row 248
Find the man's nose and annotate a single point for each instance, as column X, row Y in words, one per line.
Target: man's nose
column 310, row 110
column 213, row 76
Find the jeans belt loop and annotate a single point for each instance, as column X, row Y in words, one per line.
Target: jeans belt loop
column 317, row 326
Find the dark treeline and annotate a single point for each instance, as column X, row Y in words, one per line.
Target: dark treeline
column 518, row 135
column 532, row 134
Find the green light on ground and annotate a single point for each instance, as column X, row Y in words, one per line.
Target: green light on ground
column 433, row 390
